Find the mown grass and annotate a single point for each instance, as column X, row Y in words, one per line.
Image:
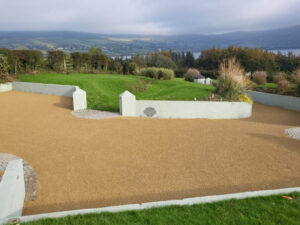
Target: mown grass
column 272, row 86
column 271, row 210
column 103, row 90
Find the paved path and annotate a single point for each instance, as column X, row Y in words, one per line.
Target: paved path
column 94, row 163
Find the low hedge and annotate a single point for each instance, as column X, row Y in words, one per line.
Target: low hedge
column 158, row 73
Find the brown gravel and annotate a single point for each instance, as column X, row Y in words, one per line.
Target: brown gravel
column 93, row 163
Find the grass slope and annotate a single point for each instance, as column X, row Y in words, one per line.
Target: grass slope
column 103, row 90
column 271, row 210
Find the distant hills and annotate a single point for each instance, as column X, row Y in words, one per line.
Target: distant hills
column 285, row 38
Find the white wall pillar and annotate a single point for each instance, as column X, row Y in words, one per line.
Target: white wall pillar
column 127, row 103
column 79, row 99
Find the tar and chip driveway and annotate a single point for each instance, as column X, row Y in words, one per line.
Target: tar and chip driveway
column 93, row 163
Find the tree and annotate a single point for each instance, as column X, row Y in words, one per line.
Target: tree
column 4, row 66
column 133, row 68
column 57, row 61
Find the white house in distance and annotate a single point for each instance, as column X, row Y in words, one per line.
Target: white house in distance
column 200, row 79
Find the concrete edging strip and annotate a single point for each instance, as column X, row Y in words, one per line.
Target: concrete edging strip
column 185, row 201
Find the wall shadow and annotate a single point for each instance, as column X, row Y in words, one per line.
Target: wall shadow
column 287, row 142
column 64, row 102
column 274, row 115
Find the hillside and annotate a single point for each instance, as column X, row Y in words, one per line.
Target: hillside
column 285, row 38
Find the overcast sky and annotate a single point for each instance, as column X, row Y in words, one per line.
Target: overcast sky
column 148, row 16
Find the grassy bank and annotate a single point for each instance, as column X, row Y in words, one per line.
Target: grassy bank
column 103, row 90
column 262, row 210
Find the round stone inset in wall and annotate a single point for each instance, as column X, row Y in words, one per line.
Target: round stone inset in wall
column 30, row 177
column 150, row 112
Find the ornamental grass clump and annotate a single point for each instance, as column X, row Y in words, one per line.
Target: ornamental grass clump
column 232, row 81
column 260, row 77
column 283, row 86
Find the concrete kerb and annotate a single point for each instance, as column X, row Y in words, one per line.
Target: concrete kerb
column 186, row 201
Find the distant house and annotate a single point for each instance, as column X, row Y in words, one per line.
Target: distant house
column 199, row 79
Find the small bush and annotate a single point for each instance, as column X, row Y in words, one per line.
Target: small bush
column 191, row 74
column 4, row 78
column 166, row 74
column 260, row 77
column 158, row 73
column 283, row 86
column 151, row 72
column 278, row 77
column 246, row 98
column 296, row 76
column 180, row 73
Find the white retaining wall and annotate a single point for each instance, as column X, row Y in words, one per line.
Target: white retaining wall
column 12, row 190
column 78, row 95
column 129, row 106
column 287, row 102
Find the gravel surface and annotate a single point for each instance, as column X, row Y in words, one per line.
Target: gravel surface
column 94, row 114
column 96, row 163
column 293, row 133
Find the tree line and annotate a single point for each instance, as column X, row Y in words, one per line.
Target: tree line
column 94, row 61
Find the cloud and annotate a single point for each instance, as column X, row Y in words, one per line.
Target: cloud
column 148, row 17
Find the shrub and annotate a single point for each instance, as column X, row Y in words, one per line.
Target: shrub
column 151, row 72
column 157, row 73
column 133, row 68
column 180, row 73
column 191, row 74
column 283, row 86
column 4, row 78
column 166, row 74
column 246, row 98
column 296, row 76
column 279, row 77
column 260, row 77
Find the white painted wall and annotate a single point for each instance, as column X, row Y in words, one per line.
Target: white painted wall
column 78, row 95
column 48, row 89
column 12, row 190
column 287, row 102
column 5, row 87
column 129, row 106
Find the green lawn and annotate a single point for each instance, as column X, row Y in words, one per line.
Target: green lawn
column 103, row 90
column 261, row 210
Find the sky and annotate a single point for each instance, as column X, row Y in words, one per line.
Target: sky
column 157, row 17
